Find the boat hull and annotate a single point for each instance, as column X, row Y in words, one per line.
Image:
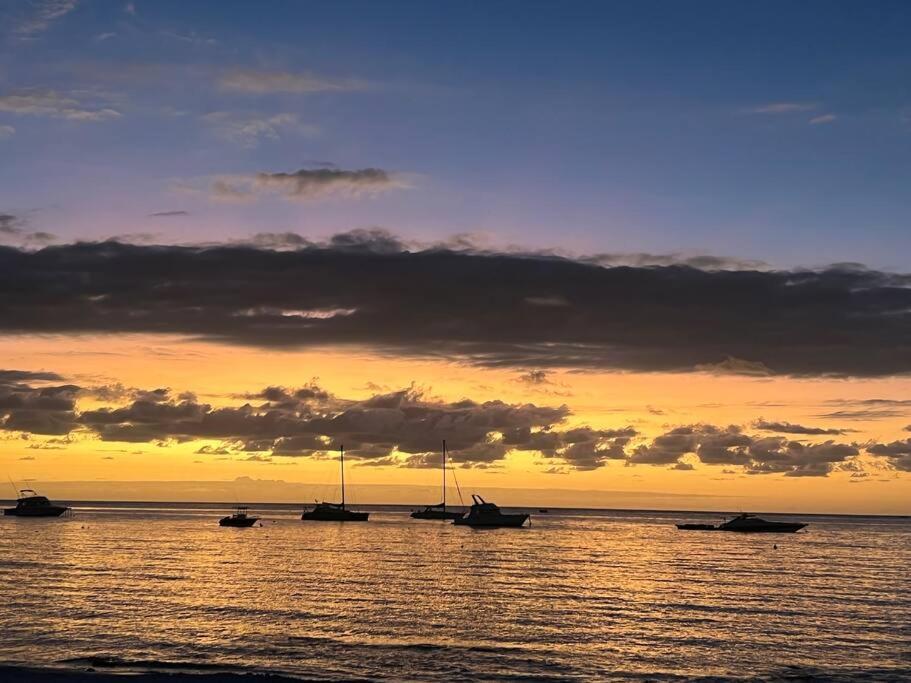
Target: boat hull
column 334, row 516
column 48, row 511
column 508, row 521
column 768, row 528
column 437, row 514
column 239, row 523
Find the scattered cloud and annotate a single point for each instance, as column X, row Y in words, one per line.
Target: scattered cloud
column 169, row 214
column 791, row 428
column 190, row 37
column 261, row 82
column 782, row 107
column 43, row 14
column 825, row 118
column 307, row 184
column 6, row 131
column 15, row 228
column 39, row 102
column 250, row 131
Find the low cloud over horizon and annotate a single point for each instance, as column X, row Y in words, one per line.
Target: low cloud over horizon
column 404, row 429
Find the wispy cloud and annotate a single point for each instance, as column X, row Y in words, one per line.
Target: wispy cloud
column 825, row 118
column 255, row 82
column 39, row 102
column 190, row 37
column 44, row 14
column 782, row 107
column 168, row 214
column 249, row 131
column 307, row 184
column 6, row 131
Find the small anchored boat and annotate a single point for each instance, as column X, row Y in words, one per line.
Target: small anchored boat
column 439, row 511
column 335, row 512
column 484, row 514
column 240, row 518
column 30, row 504
column 747, row 524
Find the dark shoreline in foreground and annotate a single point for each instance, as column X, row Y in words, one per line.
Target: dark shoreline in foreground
column 26, row 674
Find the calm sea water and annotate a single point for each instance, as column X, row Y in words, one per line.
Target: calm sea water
column 577, row 596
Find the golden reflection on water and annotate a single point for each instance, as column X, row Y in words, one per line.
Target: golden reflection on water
column 570, row 596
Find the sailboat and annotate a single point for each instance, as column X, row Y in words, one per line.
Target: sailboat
column 438, row 511
column 335, row 512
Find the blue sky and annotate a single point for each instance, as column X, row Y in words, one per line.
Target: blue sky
column 772, row 131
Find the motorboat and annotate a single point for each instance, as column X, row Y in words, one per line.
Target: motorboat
column 30, row 504
column 439, row 511
column 240, row 518
column 335, row 512
column 746, row 523
column 484, row 514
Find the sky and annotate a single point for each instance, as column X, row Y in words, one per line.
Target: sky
column 654, row 251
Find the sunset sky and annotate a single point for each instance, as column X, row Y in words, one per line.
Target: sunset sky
column 655, row 254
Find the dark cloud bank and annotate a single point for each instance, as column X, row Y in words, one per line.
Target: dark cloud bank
column 309, row 422
column 492, row 309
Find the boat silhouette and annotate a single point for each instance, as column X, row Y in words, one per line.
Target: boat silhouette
column 240, row 518
column 484, row 514
column 335, row 512
column 30, row 504
column 747, row 524
column 439, row 511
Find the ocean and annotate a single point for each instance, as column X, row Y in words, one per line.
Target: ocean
column 580, row 595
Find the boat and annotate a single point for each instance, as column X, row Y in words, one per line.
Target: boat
column 484, row 514
column 240, row 518
column 438, row 511
column 335, row 512
column 746, row 523
column 30, row 504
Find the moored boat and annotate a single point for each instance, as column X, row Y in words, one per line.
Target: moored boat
column 747, row 523
column 240, row 518
column 30, row 504
column 439, row 511
column 335, row 512
column 484, row 514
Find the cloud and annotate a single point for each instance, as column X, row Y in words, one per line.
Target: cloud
column 250, row 131
column 169, row 214
column 14, row 227
column 261, row 82
column 47, row 410
column 403, row 428
column 782, row 107
column 6, row 131
column 306, row 184
column 45, row 13
column 825, row 118
column 39, row 102
column 700, row 261
column 714, row 445
column 897, row 453
column 469, row 306
column 790, row 428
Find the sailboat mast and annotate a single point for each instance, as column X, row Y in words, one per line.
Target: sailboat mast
column 341, row 459
column 444, row 475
